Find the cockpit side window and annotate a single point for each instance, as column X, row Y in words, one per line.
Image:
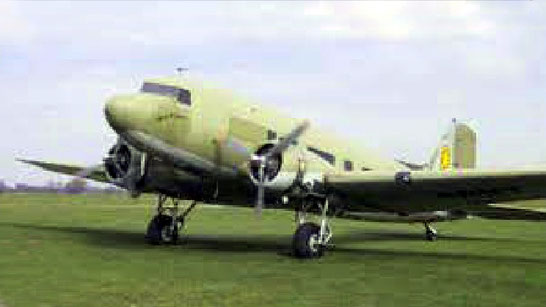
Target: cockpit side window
column 182, row 95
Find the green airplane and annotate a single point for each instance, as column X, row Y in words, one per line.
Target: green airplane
column 187, row 140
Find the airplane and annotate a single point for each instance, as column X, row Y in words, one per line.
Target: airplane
column 193, row 142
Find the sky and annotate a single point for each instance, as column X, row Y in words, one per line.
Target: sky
column 388, row 75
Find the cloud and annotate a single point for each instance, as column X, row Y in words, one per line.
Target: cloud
column 406, row 67
column 401, row 21
column 153, row 25
column 14, row 28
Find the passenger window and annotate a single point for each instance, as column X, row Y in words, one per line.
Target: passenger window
column 271, row 135
column 348, row 165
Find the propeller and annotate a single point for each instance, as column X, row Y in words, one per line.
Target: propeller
column 261, row 190
column 129, row 166
column 267, row 162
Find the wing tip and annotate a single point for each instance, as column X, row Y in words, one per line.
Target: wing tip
column 27, row 161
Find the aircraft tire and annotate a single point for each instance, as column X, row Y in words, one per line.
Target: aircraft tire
column 431, row 236
column 159, row 232
column 305, row 241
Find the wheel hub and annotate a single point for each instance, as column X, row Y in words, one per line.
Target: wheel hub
column 314, row 242
column 166, row 234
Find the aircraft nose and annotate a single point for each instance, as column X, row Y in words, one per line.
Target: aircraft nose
column 139, row 112
column 117, row 111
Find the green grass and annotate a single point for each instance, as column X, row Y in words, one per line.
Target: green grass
column 90, row 251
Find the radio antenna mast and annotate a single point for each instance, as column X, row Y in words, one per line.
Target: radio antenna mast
column 179, row 70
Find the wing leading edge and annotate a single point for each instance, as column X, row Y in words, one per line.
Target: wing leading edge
column 67, row 169
column 470, row 190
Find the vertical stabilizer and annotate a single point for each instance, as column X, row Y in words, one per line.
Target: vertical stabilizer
column 456, row 150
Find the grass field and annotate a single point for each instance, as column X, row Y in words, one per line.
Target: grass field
column 90, row 251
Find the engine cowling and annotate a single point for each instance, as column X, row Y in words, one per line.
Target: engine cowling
column 275, row 178
column 125, row 166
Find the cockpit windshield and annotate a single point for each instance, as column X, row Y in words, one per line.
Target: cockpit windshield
column 182, row 95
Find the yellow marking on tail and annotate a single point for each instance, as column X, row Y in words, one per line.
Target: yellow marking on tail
column 445, row 158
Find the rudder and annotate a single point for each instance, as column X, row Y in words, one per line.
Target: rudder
column 457, row 149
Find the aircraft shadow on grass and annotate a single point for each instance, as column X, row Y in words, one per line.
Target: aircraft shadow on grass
column 280, row 244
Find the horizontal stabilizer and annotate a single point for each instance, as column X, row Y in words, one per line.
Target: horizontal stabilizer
column 413, row 166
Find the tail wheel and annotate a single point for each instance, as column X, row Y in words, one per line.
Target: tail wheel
column 306, row 241
column 162, row 231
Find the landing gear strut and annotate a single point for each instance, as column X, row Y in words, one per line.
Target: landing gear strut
column 165, row 226
column 430, row 233
column 310, row 240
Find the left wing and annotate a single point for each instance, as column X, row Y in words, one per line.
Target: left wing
column 98, row 174
column 470, row 190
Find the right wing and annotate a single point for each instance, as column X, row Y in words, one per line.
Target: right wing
column 509, row 212
column 98, row 174
column 469, row 190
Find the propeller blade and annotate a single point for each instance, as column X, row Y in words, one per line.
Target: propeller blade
column 288, row 139
column 261, row 191
column 262, row 161
column 259, row 201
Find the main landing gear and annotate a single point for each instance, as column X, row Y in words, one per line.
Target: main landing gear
column 165, row 227
column 430, row 233
column 310, row 239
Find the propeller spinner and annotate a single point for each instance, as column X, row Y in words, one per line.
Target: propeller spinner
column 123, row 166
column 266, row 162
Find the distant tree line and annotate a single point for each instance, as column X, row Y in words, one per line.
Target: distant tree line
column 75, row 186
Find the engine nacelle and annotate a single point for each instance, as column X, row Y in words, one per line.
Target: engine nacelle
column 139, row 172
column 125, row 166
column 275, row 178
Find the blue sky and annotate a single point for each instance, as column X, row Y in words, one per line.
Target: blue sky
column 387, row 75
